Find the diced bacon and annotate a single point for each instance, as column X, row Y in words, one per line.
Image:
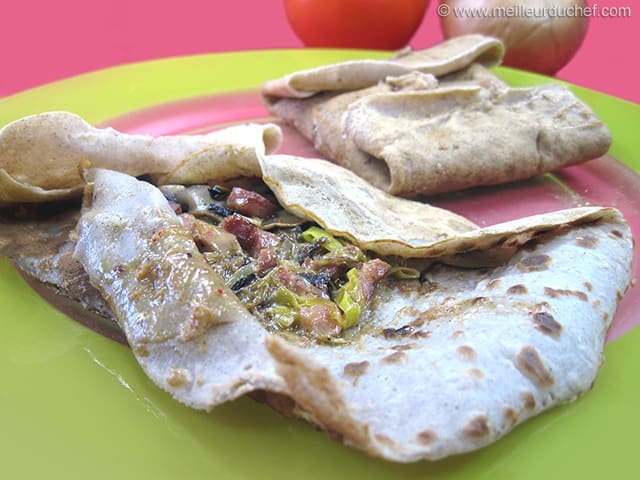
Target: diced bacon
column 250, row 203
column 320, row 320
column 210, row 238
column 267, row 259
column 370, row 274
column 250, row 237
column 297, row 284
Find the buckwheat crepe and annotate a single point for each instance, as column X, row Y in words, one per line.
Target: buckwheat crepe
column 502, row 323
column 424, row 132
column 59, row 143
column 433, row 368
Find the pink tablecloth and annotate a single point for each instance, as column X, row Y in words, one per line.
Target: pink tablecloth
column 45, row 41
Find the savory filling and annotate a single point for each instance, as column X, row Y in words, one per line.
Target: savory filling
column 289, row 272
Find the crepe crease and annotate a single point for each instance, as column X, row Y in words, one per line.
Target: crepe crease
column 426, row 130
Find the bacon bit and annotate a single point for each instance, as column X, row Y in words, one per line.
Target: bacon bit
column 220, row 291
column 370, row 274
column 250, row 237
column 320, row 320
column 250, row 203
column 267, row 259
column 208, row 237
column 296, row 283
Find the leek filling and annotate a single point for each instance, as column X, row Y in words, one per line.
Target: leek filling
column 291, row 273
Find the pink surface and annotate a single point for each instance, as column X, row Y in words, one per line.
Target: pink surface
column 45, row 41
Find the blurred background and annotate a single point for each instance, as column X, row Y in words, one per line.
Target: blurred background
column 42, row 42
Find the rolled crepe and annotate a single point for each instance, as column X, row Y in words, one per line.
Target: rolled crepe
column 416, row 134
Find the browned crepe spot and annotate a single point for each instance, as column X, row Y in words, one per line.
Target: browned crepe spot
column 596, row 304
column 426, row 437
column 395, row 357
column 510, row 415
column 531, row 366
column 178, row 377
column 427, row 315
column 475, row 373
column 404, row 346
column 546, row 323
column 140, row 350
column 467, row 352
column 494, row 283
column 479, row 300
column 421, row 334
column 605, row 317
column 587, row 241
column 518, row 290
column 534, row 263
column 477, row 428
column 588, row 286
column 384, row 440
column 559, row 292
column 457, row 334
column 355, row 369
column 528, row 400
column 617, row 234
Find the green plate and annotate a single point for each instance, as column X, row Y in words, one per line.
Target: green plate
column 75, row 405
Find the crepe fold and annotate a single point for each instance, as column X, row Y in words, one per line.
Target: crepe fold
column 433, row 368
column 42, row 156
column 188, row 331
column 448, row 56
column 414, row 134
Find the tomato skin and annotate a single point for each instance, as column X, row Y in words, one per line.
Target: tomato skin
column 371, row 24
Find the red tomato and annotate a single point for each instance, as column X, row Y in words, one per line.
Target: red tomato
column 372, row 24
